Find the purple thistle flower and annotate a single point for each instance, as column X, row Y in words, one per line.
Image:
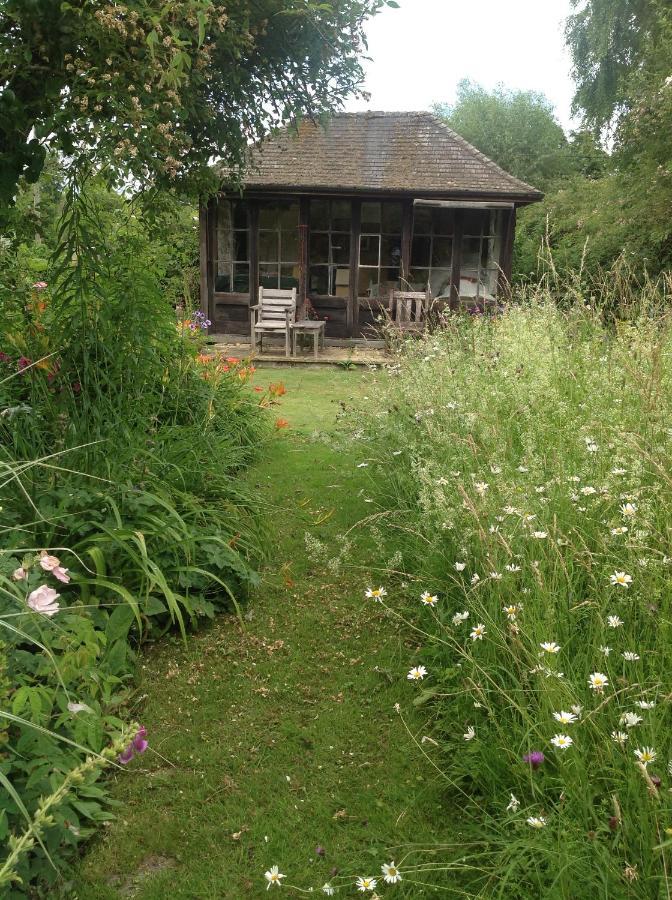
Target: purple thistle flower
column 535, row 758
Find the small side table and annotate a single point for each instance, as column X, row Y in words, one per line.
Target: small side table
column 308, row 326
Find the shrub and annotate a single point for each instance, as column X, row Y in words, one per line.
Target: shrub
column 524, row 461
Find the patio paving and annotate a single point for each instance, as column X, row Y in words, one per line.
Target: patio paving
column 362, row 353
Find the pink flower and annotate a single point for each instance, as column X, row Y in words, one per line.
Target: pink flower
column 61, row 573
column 23, row 363
column 19, row 574
column 138, row 745
column 126, row 755
column 44, row 600
column 40, row 285
column 49, row 563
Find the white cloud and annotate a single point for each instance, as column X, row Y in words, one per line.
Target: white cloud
column 420, row 52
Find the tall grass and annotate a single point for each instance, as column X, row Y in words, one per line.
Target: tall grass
column 522, row 468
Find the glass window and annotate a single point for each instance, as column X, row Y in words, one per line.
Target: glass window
column 329, row 248
column 232, row 274
column 279, row 245
column 432, row 250
column 479, row 272
column 379, row 249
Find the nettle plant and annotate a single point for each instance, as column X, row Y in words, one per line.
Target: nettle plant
column 525, row 460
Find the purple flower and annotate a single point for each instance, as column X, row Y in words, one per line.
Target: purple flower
column 535, row 758
column 319, row 851
column 138, row 745
column 4, row 357
column 23, row 363
column 126, row 755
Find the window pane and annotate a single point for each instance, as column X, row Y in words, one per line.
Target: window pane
column 370, row 217
column 490, row 282
column 319, row 215
column 473, row 222
column 241, row 278
column 268, row 216
column 367, row 285
column 471, row 253
column 319, row 248
column 289, row 277
column 469, row 283
column 341, row 282
column 268, row 246
column 418, row 280
column 240, row 246
column 223, row 282
column 488, row 255
column 369, row 247
column 420, row 250
column 440, row 283
column 268, row 276
column 288, row 215
column 442, row 252
column 340, row 248
column 444, row 221
column 224, row 232
column 389, row 281
column 391, row 213
column 390, row 251
column 318, row 281
column 239, row 214
column 340, row 215
column 289, row 246
column 422, row 220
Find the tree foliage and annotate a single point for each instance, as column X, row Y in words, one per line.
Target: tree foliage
column 153, row 90
column 516, row 129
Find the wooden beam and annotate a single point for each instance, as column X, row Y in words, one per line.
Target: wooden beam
column 203, row 256
column 406, row 237
column 506, row 256
column 304, row 233
column 253, row 238
column 457, row 257
column 212, row 255
column 352, row 313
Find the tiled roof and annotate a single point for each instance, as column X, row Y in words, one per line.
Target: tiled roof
column 406, row 152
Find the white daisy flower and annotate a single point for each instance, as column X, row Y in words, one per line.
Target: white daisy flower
column 523, row 469
column 540, row 535
column 550, row 647
column 460, row 617
column 622, row 529
column 273, row 877
column 620, row 737
column 391, row 874
column 536, row 821
column 512, row 611
column 460, row 566
column 417, row 673
column 628, row 510
column 470, row 733
column 618, row 471
column 577, row 710
column 621, row 579
column 428, row 599
column 364, row 884
column 614, row 621
column 587, row 490
column 481, row 487
column 630, row 719
column 477, row 632
column 512, row 567
column 496, row 576
column 629, row 656
column 514, row 803
column 598, row 681
column 328, row 889
column 376, row 594
column 562, row 741
column 604, row 650
column 565, row 718
column 645, row 704
column 645, row 755
column 475, row 578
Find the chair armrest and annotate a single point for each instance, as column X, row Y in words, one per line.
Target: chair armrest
column 256, row 306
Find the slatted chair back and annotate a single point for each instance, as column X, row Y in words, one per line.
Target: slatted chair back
column 409, row 308
column 277, row 306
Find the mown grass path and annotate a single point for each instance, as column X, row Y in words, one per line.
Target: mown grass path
column 283, row 739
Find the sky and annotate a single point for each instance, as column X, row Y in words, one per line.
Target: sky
column 422, row 50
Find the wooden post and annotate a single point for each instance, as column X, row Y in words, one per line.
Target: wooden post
column 457, row 258
column 406, row 238
column 304, row 228
column 352, row 312
column 212, row 255
column 203, row 256
column 253, row 231
column 506, row 257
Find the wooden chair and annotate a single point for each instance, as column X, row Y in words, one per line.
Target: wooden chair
column 409, row 310
column 274, row 314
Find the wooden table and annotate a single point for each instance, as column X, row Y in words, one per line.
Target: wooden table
column 308, row 326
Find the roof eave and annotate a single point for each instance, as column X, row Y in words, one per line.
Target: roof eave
column 518, row 197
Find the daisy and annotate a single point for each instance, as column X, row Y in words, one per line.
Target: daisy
column 577, row 710
column 460, row 617
column 536, row 821
column 540, row 535
column 470, row 733
column 496, row 576
column 621, row 579
column 428, row 599
column 646, row 755
column 514, row 803
column 628, row 510
column 565, row 718
column 460, row 566
column 619, row 736
column 614, row 621
column 475, row 578
column 646, row 704
column 605, row 650
column 481, row 487
column 588, row 490
column 511, row 567
column 550, row 647
column 511, row 611
column 630, row 719
column 328, row 889
column 598, row 682
column 622, row 529
column 562, row 741
column 477, row 632
column 376, row 594
column 417, row 673
column 273, row 876
column 391, row 874
column 618, row 471
column 365, row 884
column 630, row 656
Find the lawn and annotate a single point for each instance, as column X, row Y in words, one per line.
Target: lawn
column 279, row 745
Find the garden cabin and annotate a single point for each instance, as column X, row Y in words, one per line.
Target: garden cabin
column 348, row 211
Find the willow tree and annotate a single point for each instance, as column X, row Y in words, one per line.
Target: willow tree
column 153, row 91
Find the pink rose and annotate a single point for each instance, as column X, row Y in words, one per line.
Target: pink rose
column 44, row 600
column 49, row 563
column 61, row 573
column 19, row 574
